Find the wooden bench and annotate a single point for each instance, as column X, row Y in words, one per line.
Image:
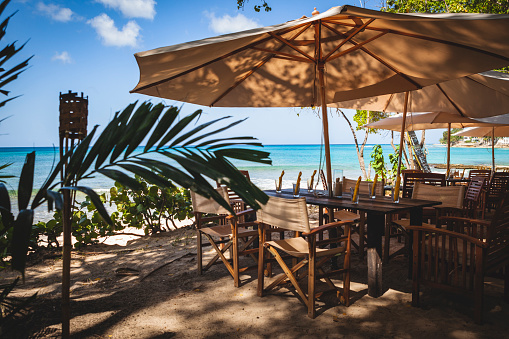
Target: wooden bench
column 458, row 256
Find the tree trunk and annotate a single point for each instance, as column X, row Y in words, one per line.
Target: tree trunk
column 360, row 150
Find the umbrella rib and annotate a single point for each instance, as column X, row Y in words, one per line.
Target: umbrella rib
column 284, row 41
column 286, row 56
column 492, row 88
column 260, row 64
column 388, row 65
column 388, row 102
column 383, row 62
column 423, row 37
column 305, row 25
column 354, row 33
column 450, row 100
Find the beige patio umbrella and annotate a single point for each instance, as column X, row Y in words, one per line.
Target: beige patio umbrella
column 431, row 120
column 494, row 131
column 342, row 54
column 475, row 96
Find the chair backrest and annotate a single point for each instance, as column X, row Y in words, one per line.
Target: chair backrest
column 498, row 232
column 231, row 193
column 209, row 205
column 291, row 214
column 409, row 180
column 412, row 171
column 363, row 187
column 474, row 189
column 499, row 184
column 450, row 196
column 485, row 174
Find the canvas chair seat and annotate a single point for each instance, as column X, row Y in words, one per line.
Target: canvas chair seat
column 345, row 215
column 225, row 231
column 299, row 247
column 230, row 235
column 292, row 215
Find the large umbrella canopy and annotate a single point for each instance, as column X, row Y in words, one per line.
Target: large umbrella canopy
column 420, row 121
column 475, row 96
column 430, row 120
column 498, row 131
column 342, row 54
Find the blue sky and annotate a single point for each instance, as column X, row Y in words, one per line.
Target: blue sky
column 88, row 46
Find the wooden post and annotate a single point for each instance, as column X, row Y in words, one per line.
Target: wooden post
column 73, row 128
column 448, row 148
column 66, row 265
column 493, row 149
column 402, row 137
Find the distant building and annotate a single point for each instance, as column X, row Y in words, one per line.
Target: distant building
column 503, row 141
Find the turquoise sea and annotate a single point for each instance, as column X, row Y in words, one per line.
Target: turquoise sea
column 291, row 158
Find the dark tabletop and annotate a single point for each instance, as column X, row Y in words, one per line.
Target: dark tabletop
column 379, row 204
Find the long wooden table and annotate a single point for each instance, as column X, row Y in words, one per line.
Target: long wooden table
column 376, row 210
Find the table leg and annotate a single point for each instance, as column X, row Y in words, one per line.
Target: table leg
column 415, row 220
column 376, row 224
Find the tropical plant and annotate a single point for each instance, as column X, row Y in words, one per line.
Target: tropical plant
column 148, row 207
column 394, row 160
column 362, row 117
column 454, row 138
column 257, row 8
column 378, row 162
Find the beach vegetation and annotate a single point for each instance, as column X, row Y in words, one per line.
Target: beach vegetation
column 454, row 138
column 378, row 162
column 361, row 118
column 264, row 5
column 393, row 171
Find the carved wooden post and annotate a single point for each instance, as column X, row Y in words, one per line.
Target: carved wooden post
column 73, row 128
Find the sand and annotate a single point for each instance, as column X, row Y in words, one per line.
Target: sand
column 148, row 287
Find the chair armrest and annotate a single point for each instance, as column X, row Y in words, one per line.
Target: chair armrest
column 467, row 220
column 327, row 226
column 241, row 213
column 442, row 231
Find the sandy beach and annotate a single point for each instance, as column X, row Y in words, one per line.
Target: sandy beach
column 148, row 287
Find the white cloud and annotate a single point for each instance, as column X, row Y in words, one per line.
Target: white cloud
column 63, row 57
column 229, row 24
column 132, row 8
column 111, row 35
column 56, row 12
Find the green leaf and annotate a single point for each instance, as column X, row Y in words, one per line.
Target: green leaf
column 77, row 157
column 128, row 128
column 142, row 129
column 201, row 137
column 95, row 198
column 195, row 131
column 147, row 175
column 163, row 126
column 245, row 154
column 21, row 239
column 222, row 140
column 122, row 178
column 5, row 201
column 178, row 128
column 55, row 197
column 26, row 181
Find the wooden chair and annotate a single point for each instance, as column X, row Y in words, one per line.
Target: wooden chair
column 452, row 204
column 473, row 202
column 485, row 174
column 409, row 180
column 223, row 232
column 498, row 186
column 358, row 217
column 458, row 257
column 291, row 214
column 235, row 201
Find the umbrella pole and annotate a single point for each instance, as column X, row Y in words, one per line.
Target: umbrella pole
column 401, row 139
column 493, row 149
column 325, row 122
column 448, row 148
